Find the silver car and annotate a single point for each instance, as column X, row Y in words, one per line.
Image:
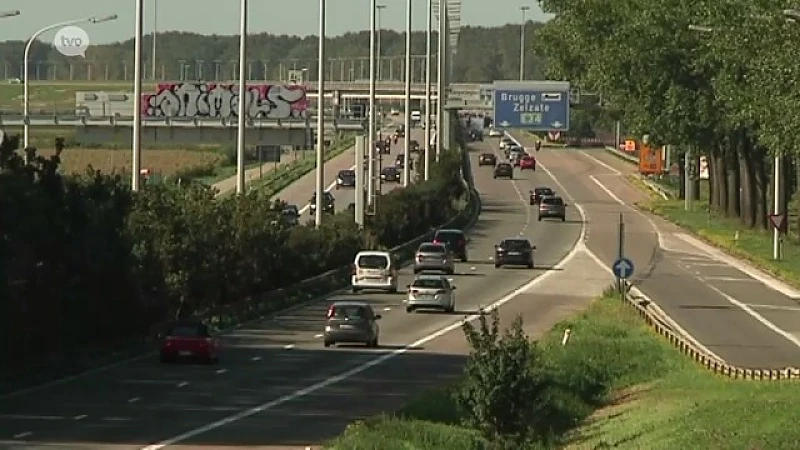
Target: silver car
column 431, row 291
column 349, row 322
column 432, row 257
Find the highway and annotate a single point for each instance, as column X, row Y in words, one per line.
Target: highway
column 277, row 387
column 734, row 312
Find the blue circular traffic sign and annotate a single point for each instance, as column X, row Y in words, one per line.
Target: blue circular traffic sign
column 623, row 268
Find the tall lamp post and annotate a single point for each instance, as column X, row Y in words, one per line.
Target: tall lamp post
column 378, row 10
column 25, row 98
column 155, row 32
column 427, row 143
column 372, row 75
column 407, row 134
column 524, row 10
column 321, row 118
column 242, row 122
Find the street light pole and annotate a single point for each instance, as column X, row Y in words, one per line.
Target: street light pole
column 777, row 207
column 155, row 31
column 320, row 118
column 242, row 130
column 380, row 63
column 440, row 77
column 524, row 10
column 372, row 74
column 427, row 143
column 407, row 134
column 25, row 70
column 136, row 137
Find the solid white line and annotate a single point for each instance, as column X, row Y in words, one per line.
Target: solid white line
column 730, row 279
column 288, row 347
column 607, row 190
column 318, row 336
column 255, row 358
column 221, row 371
column 22, row 435
column 183, row 384
column 133, row 400
column 374, row 362
column 615, row 171
column 774, row 307
column 385, row 309
column 80, row 417
column 29, row 417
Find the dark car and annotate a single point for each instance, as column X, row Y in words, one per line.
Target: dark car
column 328, row 203
column 552, row 207
column 390, row 175
column 351, row 322
column 413, row 146
column 290, row 215
column 455, row 240
column 399, row 161
column 383, row 147
column 476, row 135
column 504, row 170
column 487, row 159
column 514, row 252
column 189, row 340
column 346, row 178
column 539, row 192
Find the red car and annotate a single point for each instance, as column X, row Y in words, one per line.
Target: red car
column 527, row 162
column 190, row 340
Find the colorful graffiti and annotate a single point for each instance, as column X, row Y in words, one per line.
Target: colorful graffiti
column 203, row 100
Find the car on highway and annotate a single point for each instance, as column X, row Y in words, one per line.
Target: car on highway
column 504, row 170
column 290, row 215
column 475, row 135
column 413, row 146
column 506, row 141
column 487, row 159
column 527, row 162
column 351, row 322
column 538, row 193
column 374, row 270
column 431, row 292
column 383, row 147
column 514, row 252
column 494, row 132
column 552, row 207
column 390, row 174
column 515, row 154
column 328, row 203
column 399, row 161
column 189, row 340
column 346, row 178
column 432, row 257
column 455, row 240
column 395, row 112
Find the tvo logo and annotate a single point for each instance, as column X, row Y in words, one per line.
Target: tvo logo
column 71, row 41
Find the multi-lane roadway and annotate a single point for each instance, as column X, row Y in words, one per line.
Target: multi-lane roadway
column 277, row 387
column 734, row 312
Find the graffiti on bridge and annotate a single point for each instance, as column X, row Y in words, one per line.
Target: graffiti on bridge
column 211, row 100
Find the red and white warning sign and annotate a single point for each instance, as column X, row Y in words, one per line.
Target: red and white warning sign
column 553, row 136
column 778, row 221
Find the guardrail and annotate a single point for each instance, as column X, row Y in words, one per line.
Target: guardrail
column 179, row 122
column 634, row 299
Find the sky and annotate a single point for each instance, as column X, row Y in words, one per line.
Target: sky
column 209, row 16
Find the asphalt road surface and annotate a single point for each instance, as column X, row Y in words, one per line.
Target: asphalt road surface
column 277, row 387
column 739, row 315
column 299, row 193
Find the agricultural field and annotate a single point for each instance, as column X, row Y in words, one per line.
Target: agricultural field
column 163, row 162
column 49, row 97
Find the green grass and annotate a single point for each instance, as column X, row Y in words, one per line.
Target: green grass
column 48, row 97
column 655, row 398
column 753, row 245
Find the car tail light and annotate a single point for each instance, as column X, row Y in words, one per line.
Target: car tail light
column 436, row 241
column 331, row 310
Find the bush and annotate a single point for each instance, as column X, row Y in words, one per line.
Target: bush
column 84, row 259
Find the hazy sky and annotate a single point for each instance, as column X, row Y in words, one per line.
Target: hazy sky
column 210, row 16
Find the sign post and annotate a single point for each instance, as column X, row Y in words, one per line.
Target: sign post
column 532, row 105
column 623, row 267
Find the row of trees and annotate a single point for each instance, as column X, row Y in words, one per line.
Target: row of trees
column 498, row 47
column 84, row 259
column 716, row 77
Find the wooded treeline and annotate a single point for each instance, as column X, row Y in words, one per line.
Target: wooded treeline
column 717, row 77
column 484, row 54
column 84, row 260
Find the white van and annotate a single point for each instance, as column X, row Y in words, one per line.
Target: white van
column 374, row 270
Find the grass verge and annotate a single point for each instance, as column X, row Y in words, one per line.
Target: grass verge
column 619, row 386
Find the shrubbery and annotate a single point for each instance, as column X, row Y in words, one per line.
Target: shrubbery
column 84, row 260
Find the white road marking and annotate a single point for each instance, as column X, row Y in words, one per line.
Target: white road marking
column 147, row 381
column 613, row 170
column 80, row 417
column 288, row 347
column 730, row 279
column 706, row 264
column 22, row 435
column 318, row 336
column 221, row 371
column 369, row 364
column 183, row 384
column 774, row 307
column 330, row 186
column 255, row 358
column 385, row 309
column 134, row 400
column 29, row 417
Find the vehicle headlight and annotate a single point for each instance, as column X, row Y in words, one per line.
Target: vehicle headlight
column 328, row 328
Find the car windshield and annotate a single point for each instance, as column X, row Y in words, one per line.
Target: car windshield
column 347, row 173
column 556, row 201
column 193, row 330
column 504, row 166
column 544, row 191
column 432, row 248
column 516, row 244
column 349, row 311
column 429, row 283
column 449, row 236
column 389, row 170
column 290, row 211
column 373, row 262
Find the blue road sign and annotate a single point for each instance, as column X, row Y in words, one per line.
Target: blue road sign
column 532, row 105
column 623, row 268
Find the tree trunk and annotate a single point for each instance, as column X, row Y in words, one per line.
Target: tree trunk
column 748, row 212
column 760, row 187
column 682, row 162
column 719, row 181
column 696, row 181
column 733, row 206
column 713, row 192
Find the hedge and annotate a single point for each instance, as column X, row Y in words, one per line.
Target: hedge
column 85, row 260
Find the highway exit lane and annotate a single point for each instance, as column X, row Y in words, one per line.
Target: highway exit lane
column 280, row 356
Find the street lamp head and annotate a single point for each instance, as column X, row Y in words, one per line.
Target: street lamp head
column 9, row 13
column 103, row 19
column 525, row 8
